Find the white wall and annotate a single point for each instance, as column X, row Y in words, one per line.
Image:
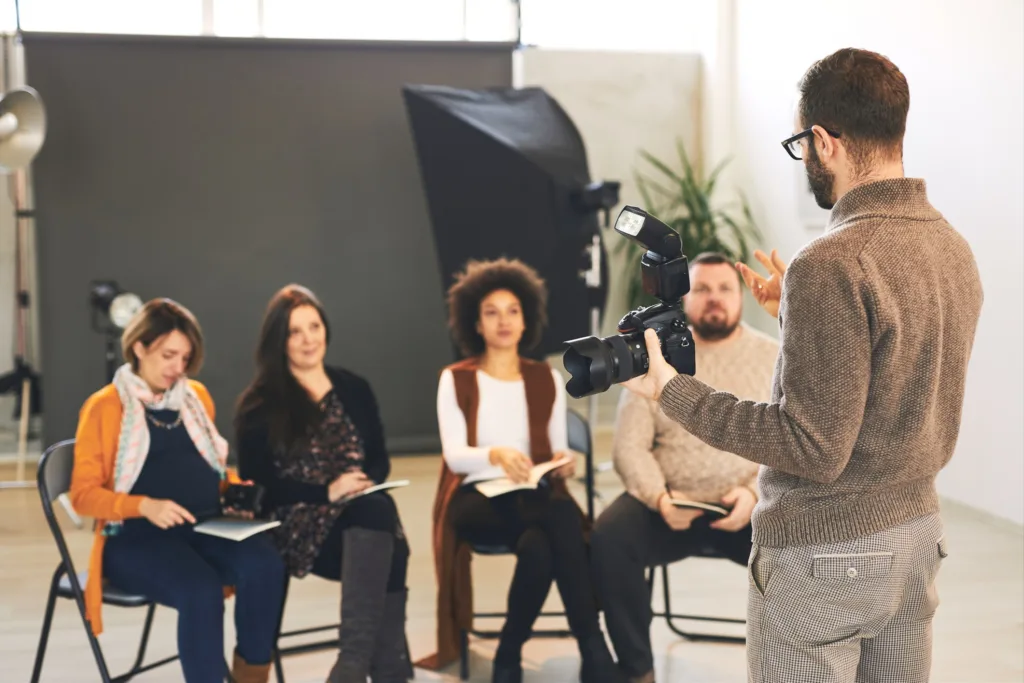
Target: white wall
column 621, row 102
column 964, row 62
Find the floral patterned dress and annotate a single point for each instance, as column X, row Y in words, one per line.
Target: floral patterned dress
column 335, row 448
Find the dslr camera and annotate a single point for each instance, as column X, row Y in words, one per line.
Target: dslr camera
column 595, row 364
column 244, row 498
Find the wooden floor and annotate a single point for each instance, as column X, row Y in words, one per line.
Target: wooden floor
column 979, row 630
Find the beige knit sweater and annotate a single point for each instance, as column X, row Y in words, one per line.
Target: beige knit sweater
column 650, row 450
column 877, row 319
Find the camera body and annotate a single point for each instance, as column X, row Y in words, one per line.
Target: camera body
column 242, row 498
column 595, row 364
column 675, row 337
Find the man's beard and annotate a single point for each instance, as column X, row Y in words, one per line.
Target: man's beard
column 820, row 179
column 714, row 330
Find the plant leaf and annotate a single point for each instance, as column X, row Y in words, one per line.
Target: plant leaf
column 661, row 166
column 709, row 186
column 681, row 198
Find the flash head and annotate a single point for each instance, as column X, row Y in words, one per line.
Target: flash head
column 650, row 233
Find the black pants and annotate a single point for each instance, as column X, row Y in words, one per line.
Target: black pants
column 375, row 511
column 629, row 537
column 546, row 532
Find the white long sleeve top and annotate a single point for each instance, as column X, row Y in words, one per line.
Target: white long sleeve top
column 502, row 420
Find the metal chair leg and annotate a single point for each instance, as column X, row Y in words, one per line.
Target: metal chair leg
column 44, row 636
column 669, row 617
column 94, row 644
column 101, row 663
column 278, row 666
column 144, row 640
column 464, row 655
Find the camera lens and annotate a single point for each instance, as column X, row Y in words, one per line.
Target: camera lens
column 595, row 364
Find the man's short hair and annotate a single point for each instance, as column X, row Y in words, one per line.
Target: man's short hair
column 713, row 258
column 861, row 95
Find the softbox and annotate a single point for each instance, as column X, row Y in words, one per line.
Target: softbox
column 503, row 170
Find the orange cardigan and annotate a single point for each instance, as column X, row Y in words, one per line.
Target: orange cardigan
column 92, row 481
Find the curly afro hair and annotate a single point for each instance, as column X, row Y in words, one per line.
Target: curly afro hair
column 478, row 280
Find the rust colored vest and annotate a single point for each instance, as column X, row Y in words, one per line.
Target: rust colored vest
column 452, row 556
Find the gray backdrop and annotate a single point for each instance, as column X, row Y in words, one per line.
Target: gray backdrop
column 215, row 171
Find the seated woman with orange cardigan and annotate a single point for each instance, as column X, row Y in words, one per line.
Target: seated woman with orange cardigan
column 149, row 462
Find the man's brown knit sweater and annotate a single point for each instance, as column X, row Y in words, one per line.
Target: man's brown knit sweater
column 650, row 450
column 877, row 320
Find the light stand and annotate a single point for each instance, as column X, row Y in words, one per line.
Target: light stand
column 599, row 196
column 111, row 308
column 22, row 131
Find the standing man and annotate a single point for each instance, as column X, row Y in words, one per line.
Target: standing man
column 659, row 460
column 877, row 320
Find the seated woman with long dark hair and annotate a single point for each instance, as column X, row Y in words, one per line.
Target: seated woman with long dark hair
column 312, row 435
column 149, row 462
column 499, row 414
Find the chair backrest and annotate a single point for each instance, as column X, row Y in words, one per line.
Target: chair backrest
column 55, row 466
column 53, row 481
column 579, row 434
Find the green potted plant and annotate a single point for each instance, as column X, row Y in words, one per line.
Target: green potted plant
column 683, row 200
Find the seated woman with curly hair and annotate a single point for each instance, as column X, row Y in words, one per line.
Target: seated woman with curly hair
column 499, row 414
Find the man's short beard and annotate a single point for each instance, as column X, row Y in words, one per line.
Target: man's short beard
column 821, row 180
column 714, row 331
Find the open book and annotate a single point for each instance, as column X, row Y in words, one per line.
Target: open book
column 502, row 485
column 714, row 510
column 373, row 489
column 234, row 528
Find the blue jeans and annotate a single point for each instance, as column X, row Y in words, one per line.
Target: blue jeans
column 186, row 570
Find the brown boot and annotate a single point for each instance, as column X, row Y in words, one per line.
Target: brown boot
column 244, row 672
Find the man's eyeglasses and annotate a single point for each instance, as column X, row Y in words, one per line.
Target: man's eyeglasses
column 793, row 146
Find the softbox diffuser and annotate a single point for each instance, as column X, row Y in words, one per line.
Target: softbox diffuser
column 501, row 169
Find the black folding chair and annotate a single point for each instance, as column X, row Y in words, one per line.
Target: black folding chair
column 670, row 617
column 54, row 479
column 667, row 614
column 329, row 644
column 579, row 440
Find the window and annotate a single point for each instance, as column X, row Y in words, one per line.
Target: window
column 451, row 20
column 237, row 18
column 447, row 20
column 176, row 17
column 628, row 25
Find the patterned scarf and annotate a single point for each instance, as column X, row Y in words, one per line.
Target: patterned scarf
column 133, row 444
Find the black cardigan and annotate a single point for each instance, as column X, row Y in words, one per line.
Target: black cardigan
column 256, row 458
